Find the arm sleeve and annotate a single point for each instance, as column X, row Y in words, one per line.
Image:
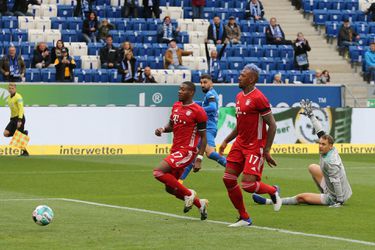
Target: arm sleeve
column 263, row 105
column 334, row 178
column 20, row 108
column 212, row 107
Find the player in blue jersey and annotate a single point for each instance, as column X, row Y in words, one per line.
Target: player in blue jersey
column 210, row 104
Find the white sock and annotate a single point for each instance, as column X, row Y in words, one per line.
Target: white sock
column 269, row 202
column 290, row 201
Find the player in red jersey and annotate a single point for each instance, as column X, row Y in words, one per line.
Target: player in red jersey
column 188, row 124
column 252, row 145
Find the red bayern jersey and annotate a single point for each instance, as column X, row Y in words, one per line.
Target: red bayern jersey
column 250, row 108
column 185, row 119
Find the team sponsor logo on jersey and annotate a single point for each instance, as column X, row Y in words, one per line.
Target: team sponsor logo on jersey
column 188, row 113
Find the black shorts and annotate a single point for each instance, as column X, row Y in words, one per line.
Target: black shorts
column 12, row 125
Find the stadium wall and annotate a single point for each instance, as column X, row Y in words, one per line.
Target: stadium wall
column 125, row 130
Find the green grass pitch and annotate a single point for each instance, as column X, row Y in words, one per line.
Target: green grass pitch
column 127, row 181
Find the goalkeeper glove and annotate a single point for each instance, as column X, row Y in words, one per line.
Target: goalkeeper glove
column 307, row 107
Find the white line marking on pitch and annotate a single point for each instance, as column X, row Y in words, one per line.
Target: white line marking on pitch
column 368, row 243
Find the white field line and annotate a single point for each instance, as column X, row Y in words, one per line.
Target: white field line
column 368, row 243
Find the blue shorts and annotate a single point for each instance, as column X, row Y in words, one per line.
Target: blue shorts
column 211, row 134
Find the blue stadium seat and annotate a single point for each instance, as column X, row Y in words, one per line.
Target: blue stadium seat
column 15, row 44
column 65, row 10
column 48, row 74
column 308, row 76
column 152, row 24
column 247, row 26
column 324, row 5
column 188, row 12
column 363, row 40
column 33, row 75
column 139, row 24
column 134, row 36
column 208, row 13
column 10, row 22
column 145, row 49
column 149, row 36
column 259, row 38
column 284, row 64
column 231, row 76
column 196, row 75
column 227, row 4
column 295, row 76
column 224, row 63
column 335, row 15
column 159, row 49
column 352, row 5
column 5, row 35
column 239, row 51
column 361, row 27
column 27, row 60
column 264, row 77
column 123, row 24
column 59, row 23
column 100, row 10
column 356, row 53
column 271, row 51
column 261, row 26
column 113, row 11
column 308, row 6
column 113, row 75
column 101, row 75
column 93, row 48
column 74, row 23
column 19, row 35
column 286, row 51
column 84, row 75
column 117, row 35
column 213, row 4
column 69, row 36
column 247, row 38
column 332, row 29
column 268, row 63
column 320, row 17
column 254, row 60
column 235, row 63
column 183, row 37
column 255, row 51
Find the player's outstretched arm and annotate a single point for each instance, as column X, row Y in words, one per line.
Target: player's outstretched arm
column 308, row 111
column 166, row 129
column 228, row 139
column 271, row 132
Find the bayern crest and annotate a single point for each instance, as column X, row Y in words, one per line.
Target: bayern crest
column 248, row 101
column 188, row 112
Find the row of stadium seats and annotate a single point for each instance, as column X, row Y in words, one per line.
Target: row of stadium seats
column 311, row 5
column 322, row 16
column 332, row 28
column 136, row 24
column 165, row 76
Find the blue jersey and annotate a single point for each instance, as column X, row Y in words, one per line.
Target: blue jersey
column 211, row 109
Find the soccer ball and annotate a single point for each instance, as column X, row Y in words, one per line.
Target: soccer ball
column 42, row 215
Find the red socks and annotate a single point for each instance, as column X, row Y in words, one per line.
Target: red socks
column 235, row 194
column 258, row 187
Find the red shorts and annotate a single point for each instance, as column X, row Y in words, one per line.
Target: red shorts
column 248, row 161
column 180, row 159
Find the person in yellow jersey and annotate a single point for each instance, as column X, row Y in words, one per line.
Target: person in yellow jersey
column 64, row 65
column 17, row 117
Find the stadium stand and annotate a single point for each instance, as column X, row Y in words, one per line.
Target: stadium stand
column 53, row 21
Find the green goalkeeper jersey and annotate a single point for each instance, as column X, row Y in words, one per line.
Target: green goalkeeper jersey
column 335, row 176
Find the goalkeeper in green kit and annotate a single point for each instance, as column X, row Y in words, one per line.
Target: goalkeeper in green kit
column 329, row 175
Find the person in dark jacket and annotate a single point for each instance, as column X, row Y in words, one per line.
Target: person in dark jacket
column 301, row 47
column 198, row 6
column 254, row 10
column 216, row 32
column 82, row 8
column 42, row 56
column 12, row 66
column 109, row 54
column 213, row 62
column 151, row 6
column 347, row 37
column 145, row 76
column 104, row 29
column 64, row 65
column 127, row 68
column 56, row 51
column 275, row 34
column 130, row 9
column 20, row 7
column 4, row 9
column 90, row 28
